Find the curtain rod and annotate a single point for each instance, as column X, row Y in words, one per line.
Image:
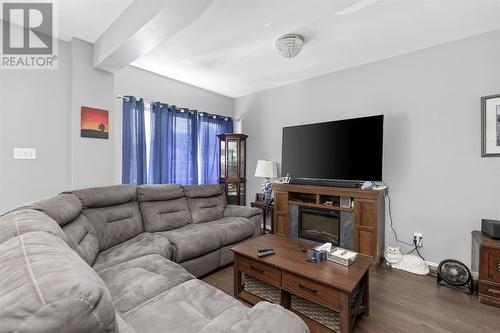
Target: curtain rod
column 180, row 109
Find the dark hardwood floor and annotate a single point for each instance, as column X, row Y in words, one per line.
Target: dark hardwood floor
column 403, row 302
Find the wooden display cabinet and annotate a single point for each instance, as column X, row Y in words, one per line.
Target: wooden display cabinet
column 232, row 167
column 486, row 261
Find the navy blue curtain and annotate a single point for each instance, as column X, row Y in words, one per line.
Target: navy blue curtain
column 208, row 146
column 173, row 152
column 134, row 169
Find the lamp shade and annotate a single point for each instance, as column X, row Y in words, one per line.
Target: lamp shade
column 266, row 169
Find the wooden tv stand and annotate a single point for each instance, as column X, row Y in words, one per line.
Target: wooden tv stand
column 368, row 212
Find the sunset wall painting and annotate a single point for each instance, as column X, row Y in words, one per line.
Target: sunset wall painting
column 95, row 123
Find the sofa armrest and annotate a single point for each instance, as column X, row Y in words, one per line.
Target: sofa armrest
column 241, row 211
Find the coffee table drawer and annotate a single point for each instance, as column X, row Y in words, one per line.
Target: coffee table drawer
column 311, row 290
column 261, row 271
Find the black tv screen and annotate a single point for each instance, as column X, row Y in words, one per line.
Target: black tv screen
column 348, row 149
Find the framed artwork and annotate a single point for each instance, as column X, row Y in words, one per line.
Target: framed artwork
column 490, row 126
column 94, row 123
column 260, row 197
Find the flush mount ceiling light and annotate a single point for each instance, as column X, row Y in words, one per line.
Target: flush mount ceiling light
column 289, row 45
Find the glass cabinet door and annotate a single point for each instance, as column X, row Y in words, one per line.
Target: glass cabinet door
column 232, row 194
column 242, row 159
column 232, row 170
column 222, row 159
column 232, row 159
column 242, row 194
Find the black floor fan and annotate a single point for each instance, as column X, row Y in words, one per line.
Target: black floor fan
column 453, row 273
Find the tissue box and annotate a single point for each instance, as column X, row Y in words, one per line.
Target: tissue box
column 342, row 256
column 316, row 255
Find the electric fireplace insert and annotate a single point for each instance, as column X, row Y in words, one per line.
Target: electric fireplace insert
column 319, row 225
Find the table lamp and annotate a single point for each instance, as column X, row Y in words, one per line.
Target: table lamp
column 267, row 170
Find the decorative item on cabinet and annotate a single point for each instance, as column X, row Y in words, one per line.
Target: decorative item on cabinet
column 232, row 167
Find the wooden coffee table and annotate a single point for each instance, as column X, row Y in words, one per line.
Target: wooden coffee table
column 327, row 296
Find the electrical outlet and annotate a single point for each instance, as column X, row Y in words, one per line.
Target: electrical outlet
column 418, row 238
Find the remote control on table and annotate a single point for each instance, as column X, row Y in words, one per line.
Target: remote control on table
column 265, row 249
column 263, row 254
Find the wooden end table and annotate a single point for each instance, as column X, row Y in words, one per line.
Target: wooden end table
column 334, row 289
column 267, row 209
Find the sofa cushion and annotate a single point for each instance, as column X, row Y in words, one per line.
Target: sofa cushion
column 25, row 221
column 193, row 240
column 264, row 317
column 62, row 208
column 206, row 202
column 165, row 215
column 136, row 281
column 47, row 287
column 241, row 211
column 233, row 229
column 103, row 196
column 82, row 238
column 123, row 326
column 115, row 224
column 185, row 308
column 201, row 266
column 141, row 245
column 159, row 192
column 202, row 191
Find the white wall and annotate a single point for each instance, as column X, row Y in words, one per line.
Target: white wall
column 439, row 183
column 143, row 84
column 33, row 106
column 92, row 160
column 41, row 109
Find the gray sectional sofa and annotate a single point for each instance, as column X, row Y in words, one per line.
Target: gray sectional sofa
column 125, row 259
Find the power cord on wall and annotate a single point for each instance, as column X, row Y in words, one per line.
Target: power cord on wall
column 415, row 244
column 387, row 197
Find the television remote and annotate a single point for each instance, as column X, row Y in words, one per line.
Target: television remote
column 263, row 254
column 265, row 249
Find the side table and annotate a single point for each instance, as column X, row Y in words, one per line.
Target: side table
column 266, row 210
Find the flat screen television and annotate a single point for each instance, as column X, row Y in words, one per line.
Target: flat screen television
column 345, row 150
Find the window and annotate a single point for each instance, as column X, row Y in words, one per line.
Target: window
column 180, row 146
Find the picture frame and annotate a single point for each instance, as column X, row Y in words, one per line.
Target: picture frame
column 260, row 197
column 490, row 126
column 94, row 123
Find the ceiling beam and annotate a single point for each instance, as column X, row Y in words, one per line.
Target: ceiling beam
column 141, row 28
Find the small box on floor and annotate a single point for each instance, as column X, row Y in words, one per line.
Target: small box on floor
column 342, row 256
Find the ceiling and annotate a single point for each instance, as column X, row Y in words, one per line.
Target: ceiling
column 87, row 19
column 230, row 48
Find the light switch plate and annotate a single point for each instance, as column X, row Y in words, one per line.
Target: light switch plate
column 24, row 153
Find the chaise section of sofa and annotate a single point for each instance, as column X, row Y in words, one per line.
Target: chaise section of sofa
column 44, row 285
column 120, row 259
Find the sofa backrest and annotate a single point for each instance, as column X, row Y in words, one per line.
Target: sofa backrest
column 66, row 210
column 206, row 202
column 163, row 207
column 44, row 285
column 113, row 212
